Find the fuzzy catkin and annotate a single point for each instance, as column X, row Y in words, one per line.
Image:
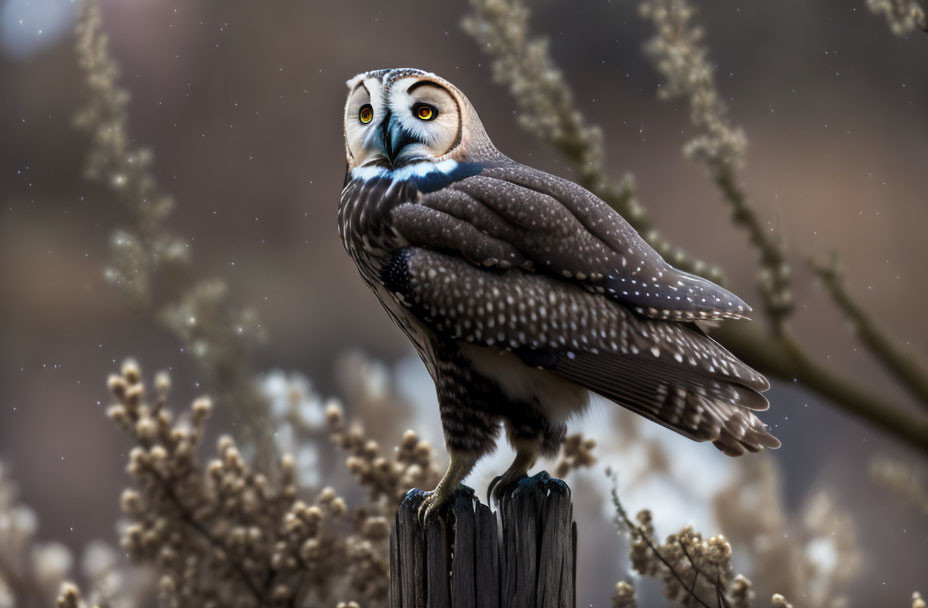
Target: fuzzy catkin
column 223, row 533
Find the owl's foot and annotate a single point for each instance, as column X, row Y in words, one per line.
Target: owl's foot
column 504, row 484
column 432, row 504
column 460, row 467
column 526, row 455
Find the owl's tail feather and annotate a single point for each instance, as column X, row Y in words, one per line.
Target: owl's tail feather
column 695, row 405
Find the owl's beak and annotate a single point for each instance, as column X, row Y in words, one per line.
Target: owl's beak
column 394, row 137
column 385, row 135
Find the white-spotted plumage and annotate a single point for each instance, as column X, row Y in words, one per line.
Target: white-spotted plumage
column 522, row 290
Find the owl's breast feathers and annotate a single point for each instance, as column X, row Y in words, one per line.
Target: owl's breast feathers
column 508, row 257
column 370, row 196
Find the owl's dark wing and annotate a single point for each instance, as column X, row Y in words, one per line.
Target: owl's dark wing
column 513, row 215
column 671, row 373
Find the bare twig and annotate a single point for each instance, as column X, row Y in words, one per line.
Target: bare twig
column 678, row 53
column 783, row 358
column 199, row 528
column 167, row 483
column 904, row 366
column 225, row 531
column 681, row 57
column 549, row 113
column 720, row 594
column 774, row 274
column 639, row 533
column 152, row 266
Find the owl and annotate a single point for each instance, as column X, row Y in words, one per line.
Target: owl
column 523, row 292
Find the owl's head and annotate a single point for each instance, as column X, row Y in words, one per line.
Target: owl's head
column 398, row 116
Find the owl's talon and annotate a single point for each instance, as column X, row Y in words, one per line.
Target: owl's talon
column 432, row 505
column 491, row 486
column 461, row 464
column 425, row 512
column 504, row 484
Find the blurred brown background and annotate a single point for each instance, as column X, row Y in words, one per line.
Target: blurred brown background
column 241, row 103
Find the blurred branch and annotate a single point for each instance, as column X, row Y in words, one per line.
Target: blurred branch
column 774, row 281
column 783, row 543
column 548, row 112
column 225, row 533
column 694, row 571
column 781, row 357
column 680, row 56
column 698, row 571
column 902, row 16
column 152, row 266
column 538, row 87
column 576, row 453
column 30, row 571
column 901, row 479
column 902, row 365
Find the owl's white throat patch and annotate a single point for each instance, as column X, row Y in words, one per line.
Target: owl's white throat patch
column 412, row 171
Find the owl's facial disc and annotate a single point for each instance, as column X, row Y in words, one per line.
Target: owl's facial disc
column 413, row 119
column 425, row 121
column 364, row 113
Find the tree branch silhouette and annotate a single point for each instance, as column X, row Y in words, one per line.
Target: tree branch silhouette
column 522, row 62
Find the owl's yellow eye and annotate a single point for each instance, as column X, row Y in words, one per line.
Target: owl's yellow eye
column 424, row 111
column 366, row 113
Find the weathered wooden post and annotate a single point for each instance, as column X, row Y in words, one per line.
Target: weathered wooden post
column 521, row 556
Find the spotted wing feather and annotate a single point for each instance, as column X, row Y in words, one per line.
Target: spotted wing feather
column 691, row 404
column 557, row 227
column 671, row 373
